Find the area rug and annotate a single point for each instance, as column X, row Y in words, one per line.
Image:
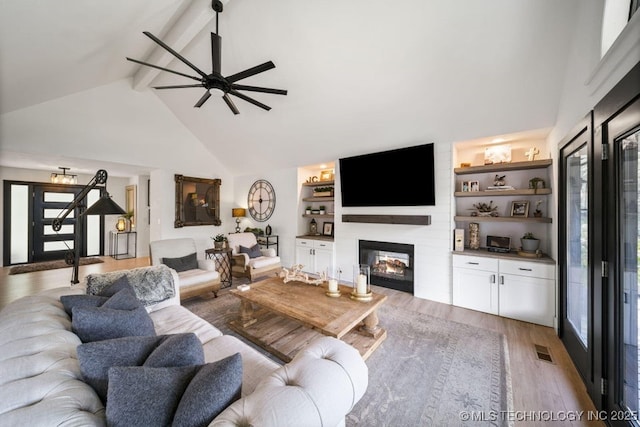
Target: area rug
column 428, row 372
column 50, row 265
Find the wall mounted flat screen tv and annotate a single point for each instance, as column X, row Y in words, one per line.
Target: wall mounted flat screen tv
column 400, row 177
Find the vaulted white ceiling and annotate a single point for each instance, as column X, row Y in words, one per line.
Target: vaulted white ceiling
column 361, row 75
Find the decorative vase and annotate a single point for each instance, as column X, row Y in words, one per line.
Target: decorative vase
column 474, row 235
column 530, row 245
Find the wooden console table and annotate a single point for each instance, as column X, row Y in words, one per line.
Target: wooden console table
column 289, row 315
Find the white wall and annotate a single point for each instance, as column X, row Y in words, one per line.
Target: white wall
column 432, row 243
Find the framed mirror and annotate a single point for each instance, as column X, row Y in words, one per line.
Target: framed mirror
column 197, row 201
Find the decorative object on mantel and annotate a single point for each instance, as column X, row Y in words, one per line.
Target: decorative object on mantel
column 485, row 209
column 323, row 192
column 497, row 154
column 361, row 285
column 215, row 82
column 313, row 227
column 529, row 243
column 295, row 274
column 532, row 153
column 535, row 183
column 474, row 235
column 538, row 212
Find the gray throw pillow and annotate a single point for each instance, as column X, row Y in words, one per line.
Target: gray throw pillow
column 181, row 396
column 187, row 262
column 216, row 386
column 95, row 358
column 253, row 251
column 70, row 301
column 124, row 316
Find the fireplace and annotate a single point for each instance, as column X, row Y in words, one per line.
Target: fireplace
column 391, row 264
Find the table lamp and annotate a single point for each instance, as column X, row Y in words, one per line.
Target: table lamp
column 238, row 213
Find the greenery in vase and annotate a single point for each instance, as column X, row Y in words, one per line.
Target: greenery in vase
column 529, row 236
column 219, row 238
column 485, row 207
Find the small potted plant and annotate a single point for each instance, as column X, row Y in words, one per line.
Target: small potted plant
column 218, row 241
column 322, row 210
column 485, row 209
column 308, row 210
column 529, row 242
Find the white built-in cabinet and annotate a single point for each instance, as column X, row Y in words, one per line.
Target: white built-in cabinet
column 514, row 288
column 316, row 255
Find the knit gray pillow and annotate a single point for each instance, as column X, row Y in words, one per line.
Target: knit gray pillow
column 96, row 358
column 184, row 396
column 122, row 315
column 151, row 285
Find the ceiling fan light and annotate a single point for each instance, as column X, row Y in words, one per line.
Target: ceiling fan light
column 216, row 91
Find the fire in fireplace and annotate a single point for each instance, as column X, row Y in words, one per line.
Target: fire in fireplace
column 391, row 264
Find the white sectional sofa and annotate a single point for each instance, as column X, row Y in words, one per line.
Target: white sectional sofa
column 41, row 383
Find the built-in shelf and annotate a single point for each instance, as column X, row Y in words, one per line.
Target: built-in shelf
column 504, row 167
column 489, row 193
column 319, row 183
column 389, row 219
column 501, row 219
column 318, row 199
column 319, row 216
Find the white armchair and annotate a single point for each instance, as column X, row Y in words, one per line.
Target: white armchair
column 255, row 264
column 197, row 277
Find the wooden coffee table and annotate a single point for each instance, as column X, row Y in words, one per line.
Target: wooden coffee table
column 283, row 317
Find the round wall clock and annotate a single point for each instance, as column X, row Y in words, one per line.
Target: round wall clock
column 261, row 200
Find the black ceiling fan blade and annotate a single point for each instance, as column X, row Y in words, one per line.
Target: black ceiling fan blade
column 230, row 103
column 250, row 72
column 202, row 100
column 163, row 69
column 216, row 53
column 250, row 100
column 177, row 86
column 174, row 53
column 259, row 89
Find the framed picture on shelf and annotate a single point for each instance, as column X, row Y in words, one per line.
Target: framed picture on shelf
column 327, row 228
column 474, row 186
column 465, row 186
column 520, row 208
column 326, row 175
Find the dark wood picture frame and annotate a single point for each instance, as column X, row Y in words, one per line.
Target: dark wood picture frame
column 197, row 201
column 327, row 228
column 520, row 208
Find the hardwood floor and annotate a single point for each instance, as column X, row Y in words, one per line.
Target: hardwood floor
column 540, row 389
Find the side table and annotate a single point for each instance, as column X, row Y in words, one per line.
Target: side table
column 269, row 240
column 222, row 258
column 123, row 244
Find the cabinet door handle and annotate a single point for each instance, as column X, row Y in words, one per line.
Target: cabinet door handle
column 502, row 280
column 473, row 263
column 524, row 269
column 493, row 278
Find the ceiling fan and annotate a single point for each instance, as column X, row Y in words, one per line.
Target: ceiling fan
column 215, row 80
